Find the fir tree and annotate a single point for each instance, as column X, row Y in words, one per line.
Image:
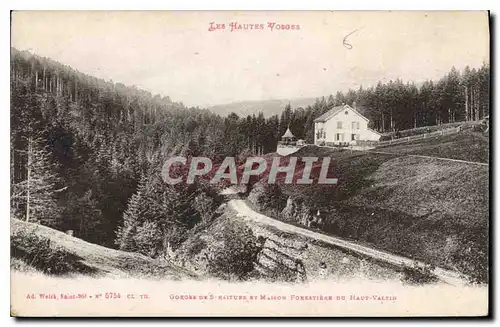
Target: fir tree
column 132, row 217
column 35, row 196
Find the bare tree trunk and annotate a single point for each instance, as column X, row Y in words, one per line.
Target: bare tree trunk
column 476, row 100
column 471, row 109
column 392, row 123
column 485, row 105
column 76, row 92
column 478, row 103
column 28, row 181
column 466, row 103
column 383, row 125
column 14, row 74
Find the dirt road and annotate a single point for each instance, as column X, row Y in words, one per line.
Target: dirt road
column 247, row 213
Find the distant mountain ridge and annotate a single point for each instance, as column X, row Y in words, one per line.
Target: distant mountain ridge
column 267, row 107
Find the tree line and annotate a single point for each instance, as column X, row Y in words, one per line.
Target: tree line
column 86, row 153
column 396, row 105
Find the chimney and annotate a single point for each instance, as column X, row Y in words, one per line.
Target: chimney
column 354, row 104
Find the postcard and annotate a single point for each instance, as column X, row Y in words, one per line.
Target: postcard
column 250, row 163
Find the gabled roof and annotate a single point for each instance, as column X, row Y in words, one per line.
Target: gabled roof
column 334, row 111
column 288, row 133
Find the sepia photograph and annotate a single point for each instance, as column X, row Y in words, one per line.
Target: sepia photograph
column 250, row 163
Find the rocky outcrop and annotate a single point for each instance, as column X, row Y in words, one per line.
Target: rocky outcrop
column 281, row 257
column 294, row 211
column 255, row 194
column 292, row 258
column 299, row 212
column 268, row 198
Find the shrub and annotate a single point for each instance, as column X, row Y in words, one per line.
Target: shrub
column 234, row 251
column 148, row 238
column 272, row 198
column 418, row 274
column 204, row 205
column 471, row 256
column 196, row 246
column 39, row 253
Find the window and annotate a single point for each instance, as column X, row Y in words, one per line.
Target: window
column 321, row 134
column 353, row 137
column 339, row 125
column 357, row 125
column 339, row 137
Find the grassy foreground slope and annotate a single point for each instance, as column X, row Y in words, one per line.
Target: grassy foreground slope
column 432, row 210
column 37, row 248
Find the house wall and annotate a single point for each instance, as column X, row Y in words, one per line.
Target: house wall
column 372, row 136
column 318, row 126
column 331, row 129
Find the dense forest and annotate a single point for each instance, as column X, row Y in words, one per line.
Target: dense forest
column 86, row 154
column 393, row 106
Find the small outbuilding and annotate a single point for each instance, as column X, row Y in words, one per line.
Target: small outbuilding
column 288, row 138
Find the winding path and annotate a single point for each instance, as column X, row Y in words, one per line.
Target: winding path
column 247, row 213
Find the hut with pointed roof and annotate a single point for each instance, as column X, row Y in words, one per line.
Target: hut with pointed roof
column 288, row 143
column 288, row 138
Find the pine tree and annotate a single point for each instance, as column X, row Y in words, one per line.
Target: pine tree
column 36, row 195
column 132, row 217
column 331, row 102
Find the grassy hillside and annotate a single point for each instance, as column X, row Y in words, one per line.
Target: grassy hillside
column 432, row 210
column 427, row 129
column 36, row 248
column 468, row 145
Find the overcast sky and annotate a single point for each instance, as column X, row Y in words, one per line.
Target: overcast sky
column 175, row 54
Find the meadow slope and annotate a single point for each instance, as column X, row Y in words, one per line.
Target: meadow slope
column 435, row 211
column 37, row 248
